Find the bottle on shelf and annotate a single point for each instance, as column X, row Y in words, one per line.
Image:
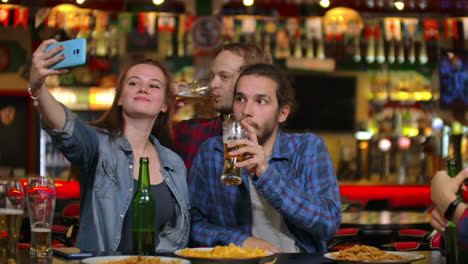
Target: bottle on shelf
column 143, row 213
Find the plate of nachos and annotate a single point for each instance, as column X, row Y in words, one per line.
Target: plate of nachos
column 226, row 254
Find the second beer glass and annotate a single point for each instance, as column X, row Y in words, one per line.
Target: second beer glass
column 232, row 130
column 41, row 205
column 11, row 215
column 194, row 91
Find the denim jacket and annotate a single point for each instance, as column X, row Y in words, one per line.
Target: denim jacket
column 106, row 182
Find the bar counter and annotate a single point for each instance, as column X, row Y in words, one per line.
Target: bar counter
column 431, row 257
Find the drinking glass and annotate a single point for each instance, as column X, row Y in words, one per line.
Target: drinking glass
column 194, row 91
column 41, row 205
column 232, row 130
column 11, row 214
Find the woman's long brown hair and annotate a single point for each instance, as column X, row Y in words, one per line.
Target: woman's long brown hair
column 112, row 122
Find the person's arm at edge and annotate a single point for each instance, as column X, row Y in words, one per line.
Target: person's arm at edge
column 461, row 220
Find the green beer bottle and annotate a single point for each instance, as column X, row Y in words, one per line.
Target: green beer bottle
column 143, row 213
column 453, row 256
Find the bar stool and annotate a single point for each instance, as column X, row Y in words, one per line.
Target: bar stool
column 430, row 241
column 344, row 238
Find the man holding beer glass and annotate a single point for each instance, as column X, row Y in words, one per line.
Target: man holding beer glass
column 189, row 134
column 289, row 197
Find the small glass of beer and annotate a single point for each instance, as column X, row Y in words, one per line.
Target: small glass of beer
column 198, row 90
column 11, row 215
column 232, row 130
column 41, row 205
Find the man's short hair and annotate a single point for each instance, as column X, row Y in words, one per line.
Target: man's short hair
column 284, row 91
column 251, row 53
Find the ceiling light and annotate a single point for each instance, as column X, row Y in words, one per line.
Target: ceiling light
column 80, row 1
column 158, row 2
column 324, row 3
column 399, row 4
column 248, row 2
column 5, row 1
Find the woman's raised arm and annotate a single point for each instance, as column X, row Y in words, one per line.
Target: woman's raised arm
column 51, row 110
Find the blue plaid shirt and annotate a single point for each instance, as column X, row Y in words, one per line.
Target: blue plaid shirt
column 300, row 183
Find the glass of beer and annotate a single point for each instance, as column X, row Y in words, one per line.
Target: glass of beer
column 41, row 205
column 11, row 214
column 232, row 130
column 198, row 90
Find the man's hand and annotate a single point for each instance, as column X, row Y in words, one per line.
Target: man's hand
column 253, row 242
column 175, row 90
column 255, row 159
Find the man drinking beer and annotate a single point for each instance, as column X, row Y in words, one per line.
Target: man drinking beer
column 289, row 199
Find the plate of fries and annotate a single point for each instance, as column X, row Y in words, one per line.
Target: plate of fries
column 226, row 254
column 134, row 260
column 372, row 255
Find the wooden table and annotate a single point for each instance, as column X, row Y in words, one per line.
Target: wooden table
column 431, row 257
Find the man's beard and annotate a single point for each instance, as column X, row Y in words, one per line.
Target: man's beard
column 266, row 133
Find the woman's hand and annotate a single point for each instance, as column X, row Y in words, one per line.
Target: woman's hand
column 41, row 61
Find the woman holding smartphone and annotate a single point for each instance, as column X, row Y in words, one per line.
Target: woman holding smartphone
column 107, row 153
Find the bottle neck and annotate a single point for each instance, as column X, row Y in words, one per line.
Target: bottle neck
column 452, row 171
column 143, row 175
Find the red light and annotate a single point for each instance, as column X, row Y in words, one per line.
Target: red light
column 404, row 142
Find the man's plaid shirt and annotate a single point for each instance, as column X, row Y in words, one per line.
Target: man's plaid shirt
column 190, row 134
column 300, row 183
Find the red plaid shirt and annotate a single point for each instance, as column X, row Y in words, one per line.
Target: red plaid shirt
column 189, row 134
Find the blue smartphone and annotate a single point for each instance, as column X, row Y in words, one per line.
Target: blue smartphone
column 74, row 50
column 72, row 253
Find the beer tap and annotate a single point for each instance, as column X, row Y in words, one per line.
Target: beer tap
column 457, row 135
column 446, row 132
column 404, row 143
column 385, row 145
column 362, row 157
column 452, row 136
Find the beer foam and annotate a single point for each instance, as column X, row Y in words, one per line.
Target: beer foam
column 10, row 211
column 41, row 230
column 226, row 138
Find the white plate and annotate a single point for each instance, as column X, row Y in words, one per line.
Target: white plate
column 226, row 260
column 409, row 257
column 96, row 260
